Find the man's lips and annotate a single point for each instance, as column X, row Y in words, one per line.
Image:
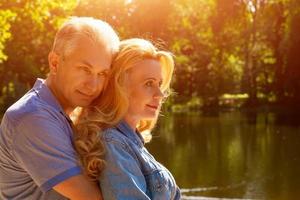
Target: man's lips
column 85, row 95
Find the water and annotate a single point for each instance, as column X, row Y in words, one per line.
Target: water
column 231, row 155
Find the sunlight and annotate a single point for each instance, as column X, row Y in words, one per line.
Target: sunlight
column 128, row 2
column 251, row 6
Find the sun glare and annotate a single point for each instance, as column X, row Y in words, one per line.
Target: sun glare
column 128, row 1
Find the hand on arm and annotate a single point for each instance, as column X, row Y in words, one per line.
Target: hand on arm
column 79, row 188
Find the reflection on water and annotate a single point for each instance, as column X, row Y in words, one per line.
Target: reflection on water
column 231, row 155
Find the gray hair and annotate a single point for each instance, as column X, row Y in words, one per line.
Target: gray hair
column 100, row 32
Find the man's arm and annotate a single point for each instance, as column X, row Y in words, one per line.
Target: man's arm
column 79, row 188
column 45, row 151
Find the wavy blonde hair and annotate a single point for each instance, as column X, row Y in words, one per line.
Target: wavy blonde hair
column 111, row 106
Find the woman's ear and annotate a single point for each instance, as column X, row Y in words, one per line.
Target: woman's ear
column 53, row 60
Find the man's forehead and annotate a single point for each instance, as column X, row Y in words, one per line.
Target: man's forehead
column 95, row 66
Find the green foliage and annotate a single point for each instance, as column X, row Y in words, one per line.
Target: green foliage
column 27, row 32
column 6, row 16
column 292, row 83
column 220, row 46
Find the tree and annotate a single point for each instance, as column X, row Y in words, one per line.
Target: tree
column 292, row 77
column 31, row 35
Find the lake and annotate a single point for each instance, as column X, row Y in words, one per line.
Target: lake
column 231, row 155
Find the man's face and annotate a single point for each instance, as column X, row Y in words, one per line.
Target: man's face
column 80, row 76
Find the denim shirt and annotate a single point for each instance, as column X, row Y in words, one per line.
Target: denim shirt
column 131, row 172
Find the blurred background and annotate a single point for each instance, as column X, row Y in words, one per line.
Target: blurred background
column 231, row 128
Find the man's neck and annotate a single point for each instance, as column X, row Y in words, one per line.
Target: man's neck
column 67, row 109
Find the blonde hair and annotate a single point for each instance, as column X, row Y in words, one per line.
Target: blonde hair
column 112, row 104
column 100, row 32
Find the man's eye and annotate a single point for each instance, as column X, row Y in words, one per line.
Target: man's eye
column 85, row 69
column 102, row 74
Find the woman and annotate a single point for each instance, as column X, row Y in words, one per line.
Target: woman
column 130, row 105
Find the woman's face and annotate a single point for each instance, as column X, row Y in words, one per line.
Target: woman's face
column 145, row 96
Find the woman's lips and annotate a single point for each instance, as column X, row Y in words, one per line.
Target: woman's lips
column 153, row 106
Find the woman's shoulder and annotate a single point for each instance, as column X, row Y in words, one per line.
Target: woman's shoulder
column 112, row 135
column 115, row 141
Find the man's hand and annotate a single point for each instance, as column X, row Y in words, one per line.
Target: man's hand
column 79, row 188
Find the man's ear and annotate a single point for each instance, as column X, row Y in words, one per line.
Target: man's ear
column 53, row 59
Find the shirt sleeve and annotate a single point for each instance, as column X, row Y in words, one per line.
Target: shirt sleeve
column 122, row 177
column 43, row 147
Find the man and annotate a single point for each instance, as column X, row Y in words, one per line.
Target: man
column 37, row 159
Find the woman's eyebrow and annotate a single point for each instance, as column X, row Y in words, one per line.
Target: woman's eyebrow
column 152, row 78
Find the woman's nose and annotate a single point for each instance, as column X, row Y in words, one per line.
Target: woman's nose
column 159, row 94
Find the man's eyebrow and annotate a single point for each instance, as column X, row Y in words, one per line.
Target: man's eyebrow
column 87, row 63
column 106, row 71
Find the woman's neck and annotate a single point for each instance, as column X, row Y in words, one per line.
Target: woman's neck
column 131, row 121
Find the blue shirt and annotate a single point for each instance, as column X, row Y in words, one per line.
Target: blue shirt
column 36, row 151
column 131, row 172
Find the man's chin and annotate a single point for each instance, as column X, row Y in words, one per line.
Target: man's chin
column 84, row 104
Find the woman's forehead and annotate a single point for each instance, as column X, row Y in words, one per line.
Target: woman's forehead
column 146, row 69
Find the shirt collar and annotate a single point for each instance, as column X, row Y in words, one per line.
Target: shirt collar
column 45, row 94
column 126, row 130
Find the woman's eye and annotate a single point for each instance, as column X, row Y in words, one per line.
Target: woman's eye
column 160, row 84
column 149, row 84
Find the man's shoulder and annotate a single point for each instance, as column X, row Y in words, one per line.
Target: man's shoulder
column 28, row 106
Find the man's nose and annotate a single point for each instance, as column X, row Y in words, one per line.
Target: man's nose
column 93, row 84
